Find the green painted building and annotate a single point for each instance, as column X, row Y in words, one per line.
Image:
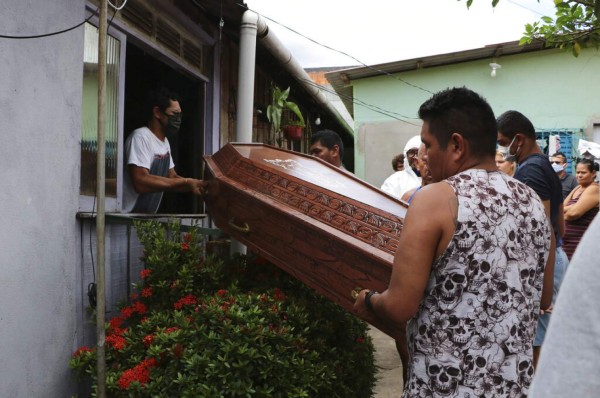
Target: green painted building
column 556, row 90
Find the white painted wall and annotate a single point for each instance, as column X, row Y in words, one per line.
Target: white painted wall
column 40, row 101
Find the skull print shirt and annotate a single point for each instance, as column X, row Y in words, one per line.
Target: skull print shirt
column 472, row 335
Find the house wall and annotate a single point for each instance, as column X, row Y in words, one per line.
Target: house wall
column 40, row 98
column 551, row 87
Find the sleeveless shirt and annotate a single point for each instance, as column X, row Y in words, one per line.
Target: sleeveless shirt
column 574, row 229
column 473, row 332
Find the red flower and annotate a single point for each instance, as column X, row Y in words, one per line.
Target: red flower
column 278, row 294
column 147, row 292
column 81, row 350
column 145, row 273
column 139, row 373
column 190, row 299
column 126, row 312
column 115, row 323
column 185, row 246
column 133, row 296
column 360, row 340
column 116, row 341
column 171, row 329
column 147, row 340
column 178, row 350
column 221, row 292
column 140, row 308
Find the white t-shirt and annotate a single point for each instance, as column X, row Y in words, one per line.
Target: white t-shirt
column 400, row 182
column 144, row 149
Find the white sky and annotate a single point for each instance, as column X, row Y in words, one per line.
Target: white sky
column 380, row 31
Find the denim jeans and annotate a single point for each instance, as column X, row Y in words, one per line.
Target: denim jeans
column 561, row 262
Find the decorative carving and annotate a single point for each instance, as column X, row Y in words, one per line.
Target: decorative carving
column 374, row 229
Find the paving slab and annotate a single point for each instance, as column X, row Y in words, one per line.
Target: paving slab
column 389, row 375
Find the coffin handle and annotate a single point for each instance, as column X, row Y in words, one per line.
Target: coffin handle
column 355, row 292
column 243, row 229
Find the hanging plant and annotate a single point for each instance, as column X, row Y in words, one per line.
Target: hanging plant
column 278, row 105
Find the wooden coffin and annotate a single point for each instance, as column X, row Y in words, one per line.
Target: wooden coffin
column 317, row 222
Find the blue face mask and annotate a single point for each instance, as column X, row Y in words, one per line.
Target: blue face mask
column 505, row 151
column 557, row 167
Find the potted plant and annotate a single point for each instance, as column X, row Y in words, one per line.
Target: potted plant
column 275, row 112
column 293, row 129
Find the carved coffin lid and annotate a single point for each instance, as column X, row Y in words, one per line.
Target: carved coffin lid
column 321, row 224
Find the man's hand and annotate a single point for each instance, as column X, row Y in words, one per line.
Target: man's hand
column 360, row 309
column 547, row 310
column 197, row 187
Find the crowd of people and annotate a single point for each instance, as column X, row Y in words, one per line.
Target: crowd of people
column 491, row 226
column 485, row 248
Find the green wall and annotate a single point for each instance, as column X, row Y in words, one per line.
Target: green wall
column 551, row 87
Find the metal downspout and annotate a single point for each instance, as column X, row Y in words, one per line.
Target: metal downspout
column 245, row 99
column 245, row 109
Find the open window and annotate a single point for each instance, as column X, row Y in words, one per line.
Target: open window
column 114, row 119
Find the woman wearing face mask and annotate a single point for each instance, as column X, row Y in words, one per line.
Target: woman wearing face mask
column 581, row 205
column 506, row 166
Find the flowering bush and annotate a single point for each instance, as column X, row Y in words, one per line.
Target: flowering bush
column 207, row 327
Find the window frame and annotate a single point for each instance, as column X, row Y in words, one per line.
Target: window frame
column 88, row 203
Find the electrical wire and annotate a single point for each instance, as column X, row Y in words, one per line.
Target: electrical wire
column 394, row 115
column 341, row 52
column 115, row 7
column 527, row 8
column 49, row 34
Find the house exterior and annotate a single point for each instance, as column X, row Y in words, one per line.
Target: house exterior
column 48, row 91
column 551, row 87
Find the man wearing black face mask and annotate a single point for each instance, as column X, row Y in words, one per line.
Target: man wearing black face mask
column 149, row 166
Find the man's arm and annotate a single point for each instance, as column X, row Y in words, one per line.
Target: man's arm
column 428, row 227
column 144, row 182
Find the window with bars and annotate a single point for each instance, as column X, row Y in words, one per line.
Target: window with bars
column 89, row 110
column 566, row 142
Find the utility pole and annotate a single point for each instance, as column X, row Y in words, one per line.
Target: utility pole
column 101, row 194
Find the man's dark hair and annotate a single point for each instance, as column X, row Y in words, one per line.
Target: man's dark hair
column 511, row 123
column 559, row 155
column 328, row 138
column 463, row 111
column 160, row 97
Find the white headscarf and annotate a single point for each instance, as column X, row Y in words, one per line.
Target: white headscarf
column 401, row 181
column 413, row 143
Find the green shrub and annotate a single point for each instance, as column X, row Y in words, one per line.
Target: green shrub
column 239, row 327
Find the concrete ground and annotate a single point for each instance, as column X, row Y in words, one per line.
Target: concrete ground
column 389, row 375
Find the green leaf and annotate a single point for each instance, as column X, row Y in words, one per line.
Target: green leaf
column 469, row 2
column 576, row 49
column 494, row 3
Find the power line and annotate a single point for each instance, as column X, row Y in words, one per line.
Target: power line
column 341, row 52
column 394, row 115
column 527, row 8
column 49, row 34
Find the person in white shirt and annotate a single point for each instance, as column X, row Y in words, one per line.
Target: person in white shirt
column 405, row 180
column 149, row 166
